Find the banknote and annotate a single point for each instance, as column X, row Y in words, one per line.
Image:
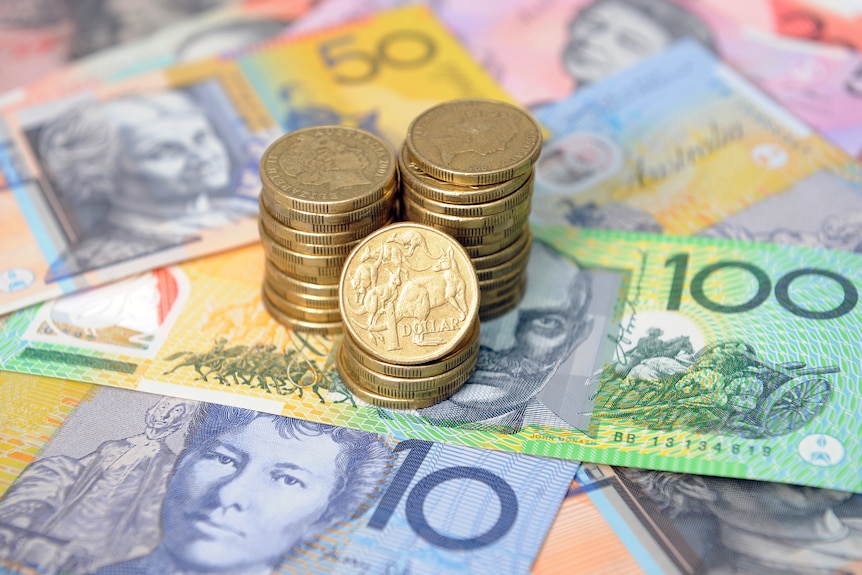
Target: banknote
column 564, row 44
column 164, row 167
column 218, row 31
column 831, row 21
column 686, row 354
column 800, row 216
column 128, row 482
column 675, row 143
column 623, row 520
column 40, row 36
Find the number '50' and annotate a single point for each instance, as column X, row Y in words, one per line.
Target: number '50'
column 415, row 506
column 399, row 49
column 764, row 288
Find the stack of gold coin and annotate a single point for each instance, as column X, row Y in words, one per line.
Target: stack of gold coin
column 409, row 303
column 324, row 189
column 467, row 169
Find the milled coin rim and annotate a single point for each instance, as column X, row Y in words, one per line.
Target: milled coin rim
column 316, row 315
column 381, row 400
column 487, row 222
column 472, row 305
column 499, row 257
column 476, row 210
column 410, row 388
column 276, row 251
column 300, row 286
column 345, row 205
column 295, row 324
column 475, row 177
column 412, row 371
column 447, row 192
column 372, row 210
column 289, row 234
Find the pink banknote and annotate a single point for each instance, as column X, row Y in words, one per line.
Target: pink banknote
column 829, row 21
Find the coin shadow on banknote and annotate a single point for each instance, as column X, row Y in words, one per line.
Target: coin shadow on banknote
column 199, row 487
column 722, row 525
column 139, row 173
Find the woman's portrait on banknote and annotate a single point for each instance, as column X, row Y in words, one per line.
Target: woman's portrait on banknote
column 610, row 35
column 137, row 174
column 240, row 495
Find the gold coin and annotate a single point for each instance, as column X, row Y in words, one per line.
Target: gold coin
column 279, row 254
column 445, row 364
column 289, row 235
column 478, row 210
column 414, row 388
column 448, row 192
column 295, row 324
column 473, row 235
column 511, row 236
column 517, row 262
column 505, row 254
column 291, row 284
column 408, row 294
column 299, row 311
column 502, row 305
column 503, row 281
column 328, row 169
column 303, row 226
column 283, row 291
column 488, row 222
column 287, row 213
column 474, row 141
column 378, row 399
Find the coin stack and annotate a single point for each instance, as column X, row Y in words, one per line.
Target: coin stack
column 409, row 303
column 324, row 189
column 467, row 169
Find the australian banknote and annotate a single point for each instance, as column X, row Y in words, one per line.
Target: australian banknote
column 565, row 44
column 676, row 143
column 39, row 37
column 830, row 21
column 633, row 521
column 117, row 481
column 687, row 354
column 164, row 167
column 221, row 30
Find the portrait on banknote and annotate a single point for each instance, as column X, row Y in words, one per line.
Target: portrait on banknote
column 522, row 351
column 203, row 488
column 607, row 36
column 730, row 526
column 133, row 175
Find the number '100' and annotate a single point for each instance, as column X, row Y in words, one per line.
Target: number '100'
column 764, row 288
column 416, row 499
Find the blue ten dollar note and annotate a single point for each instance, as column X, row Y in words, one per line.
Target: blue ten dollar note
column 137, row 483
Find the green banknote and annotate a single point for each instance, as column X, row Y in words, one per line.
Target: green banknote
column 682, row 354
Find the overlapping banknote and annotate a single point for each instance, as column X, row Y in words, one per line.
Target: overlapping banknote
column 169, row 39
column 836, row 22
column 687, row 354
column 664, row 161
column 573, row 43
column 115, row 481
column 634, row 521
column 162, row 168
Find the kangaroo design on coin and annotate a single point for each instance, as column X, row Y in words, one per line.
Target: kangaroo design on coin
column 408, row 294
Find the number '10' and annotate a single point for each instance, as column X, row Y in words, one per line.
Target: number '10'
column 764, row 287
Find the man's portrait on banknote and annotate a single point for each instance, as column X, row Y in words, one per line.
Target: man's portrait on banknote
column 522, row 350
column 137, row 174
column 245, row 490
column 79, row 513
column 610, row 35
column 738, row 526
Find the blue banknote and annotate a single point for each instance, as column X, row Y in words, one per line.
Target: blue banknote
column 139, row 483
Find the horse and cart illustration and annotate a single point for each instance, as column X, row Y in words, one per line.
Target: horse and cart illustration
column 723, row 388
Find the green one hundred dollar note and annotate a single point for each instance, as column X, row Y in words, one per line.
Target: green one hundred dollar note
column 681, row 354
